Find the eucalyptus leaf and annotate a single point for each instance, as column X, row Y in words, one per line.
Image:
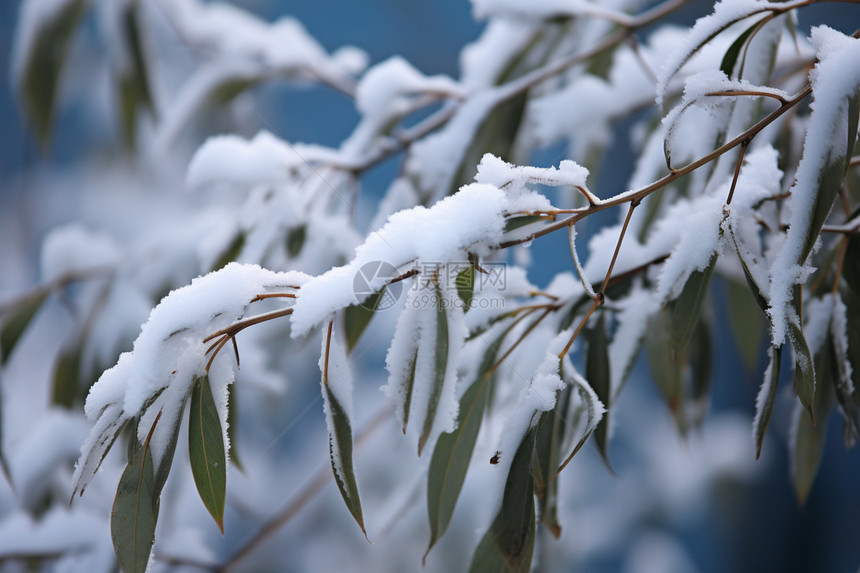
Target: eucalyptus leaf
column 441, row 366
column 206, row 450
column 231, row 253
column 666, row 364
column 16, row 322
column 509, row 543
column 766, row 398
column 134, row 85
column 43, row 66
column 686, row 309
column 727, row 65
column 597, row 373
column 134, row 513
column 465, row 283
column 747, row 322
column 340, row 453
column 356, row 317
column 67, row 377
column 804, row 369
column 809, row 437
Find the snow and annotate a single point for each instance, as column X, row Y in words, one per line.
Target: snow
column 835, row 79
column 73, row 249
column 483, row 61
column 168, row 354
column 763, row 393
column 471, row 220
column 265, row 159
column 539, row 395
column 725, row 13
column 635, row 312
column 383, row 92
column 818, row 313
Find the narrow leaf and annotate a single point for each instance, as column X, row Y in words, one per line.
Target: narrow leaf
column 804, row 369
column 809, row 437
column 43, row 64
column 4, row 463
column 731, row 56
column 356, row 317
column 685, row 309
column 509, row 543
column 597, row 374
column 231, row 253
column 666, row 364
column 296, row 240
column 134, row 88
column 465, row 283
column 16, row 322
column 766, row 398
column 67, row 377
column 748, row 325
column 133, row 515
column 340, row 452
column 830, row 177
column 441, row 366
column 206, row 450
column 453, row 451
column 701, row 359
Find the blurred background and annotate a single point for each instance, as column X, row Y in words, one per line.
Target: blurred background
column 748, row 521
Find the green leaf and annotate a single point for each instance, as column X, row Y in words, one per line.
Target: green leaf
column 465, row 283
column 509, row 543
column 685, row 309
column 231, row 253
column 514, row 223
column 666, row 365
column 4, row 463
column 851, row 268
column 831, row 175
column 206, row 450
column 134, row 514
column 766, row 398
column 550, row 438
column 16, row 322
column 747, row 322
column 296, row 240
column 841, row 379
column 441, row 363
column 597, row 374
column 163, row 469
column 701, row 359
column 810, row 437
column 356, row 317
column 804, row 369
column 67, row 377
column 453, row 451
column 42, row 66
column 232, row 422
column 731, row 56
column 340, row 450
column 134, row 87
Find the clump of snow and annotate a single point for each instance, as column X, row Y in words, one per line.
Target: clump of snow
column 835, row 79
column 74, row 249
column 168, row 355
column 471, row 220
column 386, row 90
column 264, row 159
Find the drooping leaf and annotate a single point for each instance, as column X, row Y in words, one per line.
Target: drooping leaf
column 551, row 433
column 133, row 516
column 162, row 470
column 134, row 86
column 67, row 376
column 232, row 423
column 16, row 322
column 356, row 317
column 231, row 253
column 296, row 240
column 43, row 66
column 701, row 359
column 837, row 348
column 206, row 450
column 766, row 398
column 597, row 374
column 340, row 452
column 831, row 175
column 804, row 369
column 851, row 270
column 727, row 65
column 747, row 321
column 508, row 545
column 810, row 436
column 453, row 451
column 441, row 366
column 685, row 309
column 4, row 463
column 666, row 365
